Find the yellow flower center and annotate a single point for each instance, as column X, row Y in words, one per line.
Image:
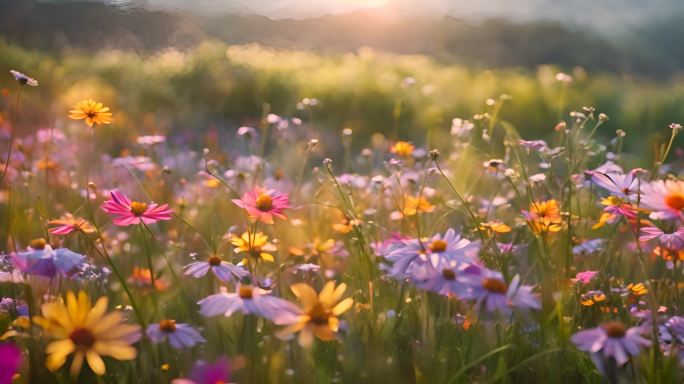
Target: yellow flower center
column 82, row 338
column 494, row 285
column 39, row 243
column 214, row 260
column 675, row 202
column 264, row 202
column 167, row 326
column 138, row 208
column 438, row 246
column 614, row 329
column 245, row 292
column 448, row 274
column 319, row 315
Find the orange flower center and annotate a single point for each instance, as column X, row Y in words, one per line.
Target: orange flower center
column 214, row 260
column 319, row 315
column 138, row 208
column 438, row 246
column 245, row 292
column 615, row 329
column 264, row 202
column 39, row 243
column 494, row 285
column 82, row 337
column 167, row 326
column 675, row 202
column 448, row 274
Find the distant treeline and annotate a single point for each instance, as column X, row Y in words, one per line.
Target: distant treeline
column 653, row 50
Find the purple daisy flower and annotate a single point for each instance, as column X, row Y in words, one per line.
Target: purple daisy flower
column 249, row 300
column 414, row 252
column 180, row 335
column 621, row 185
column 41, row 260
column 610, row 340
column 223, row 270
column 208, row 373
column 490, row 291
column 445, row 279
column 673, row 241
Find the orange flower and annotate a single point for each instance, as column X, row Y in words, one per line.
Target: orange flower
column 92, row 111
column 544, row 217
column 402, row 148
column 413, row 205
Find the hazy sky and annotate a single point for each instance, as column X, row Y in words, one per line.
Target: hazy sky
column 603, row 14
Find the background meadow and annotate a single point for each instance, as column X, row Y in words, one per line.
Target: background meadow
column 308, row 199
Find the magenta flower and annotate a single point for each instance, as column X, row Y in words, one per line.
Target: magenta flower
column 585, row 277
column 263, row 204
column 208, row 373
column 10, row 361
column 127, row 212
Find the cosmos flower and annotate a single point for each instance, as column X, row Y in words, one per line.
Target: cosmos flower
column 23, row 79
column 611, row 340
column 92, row 111
column 41, row 260
column 673, row 241
column 248, row 300
column 68, row 224
column 544, row 217
column 319, row 313
column 87, row 332
column 615, row 208
column 490, row 291
column 664, row 198
column 263, row 205
column 179, row 335
column 127, row 212
column 621, row 185
column 443, row 279
column 10, row 362
column 256, row 246
column 222, row 269
column 202, row 372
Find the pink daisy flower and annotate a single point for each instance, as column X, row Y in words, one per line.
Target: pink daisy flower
column 585, row 277
column 263, row 204
column 664, row 198
column 127, row 212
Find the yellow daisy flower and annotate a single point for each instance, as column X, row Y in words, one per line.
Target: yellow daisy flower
column 402, row 148
column 255, row 245
column 92, row 111
column 87, row 332
column 413, row 205
column 319, row 313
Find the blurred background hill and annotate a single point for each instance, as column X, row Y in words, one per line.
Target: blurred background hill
column 182, row 66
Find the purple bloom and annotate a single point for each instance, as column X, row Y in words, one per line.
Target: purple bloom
column 222, row 269
column 490, row 291
column 414, row 252
column 10, row 361
column 588, row 247
column 444, row 279
column 179, row 335
column 610, row 340
column 208, row 373
column 673, row 241
column 42, row 260
column 249, row 300
column 537, row 145
column 621, row 185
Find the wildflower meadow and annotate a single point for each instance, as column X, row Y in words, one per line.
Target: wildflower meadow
column 281, row 250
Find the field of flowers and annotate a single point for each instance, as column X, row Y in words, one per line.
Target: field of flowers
column 132, row 253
